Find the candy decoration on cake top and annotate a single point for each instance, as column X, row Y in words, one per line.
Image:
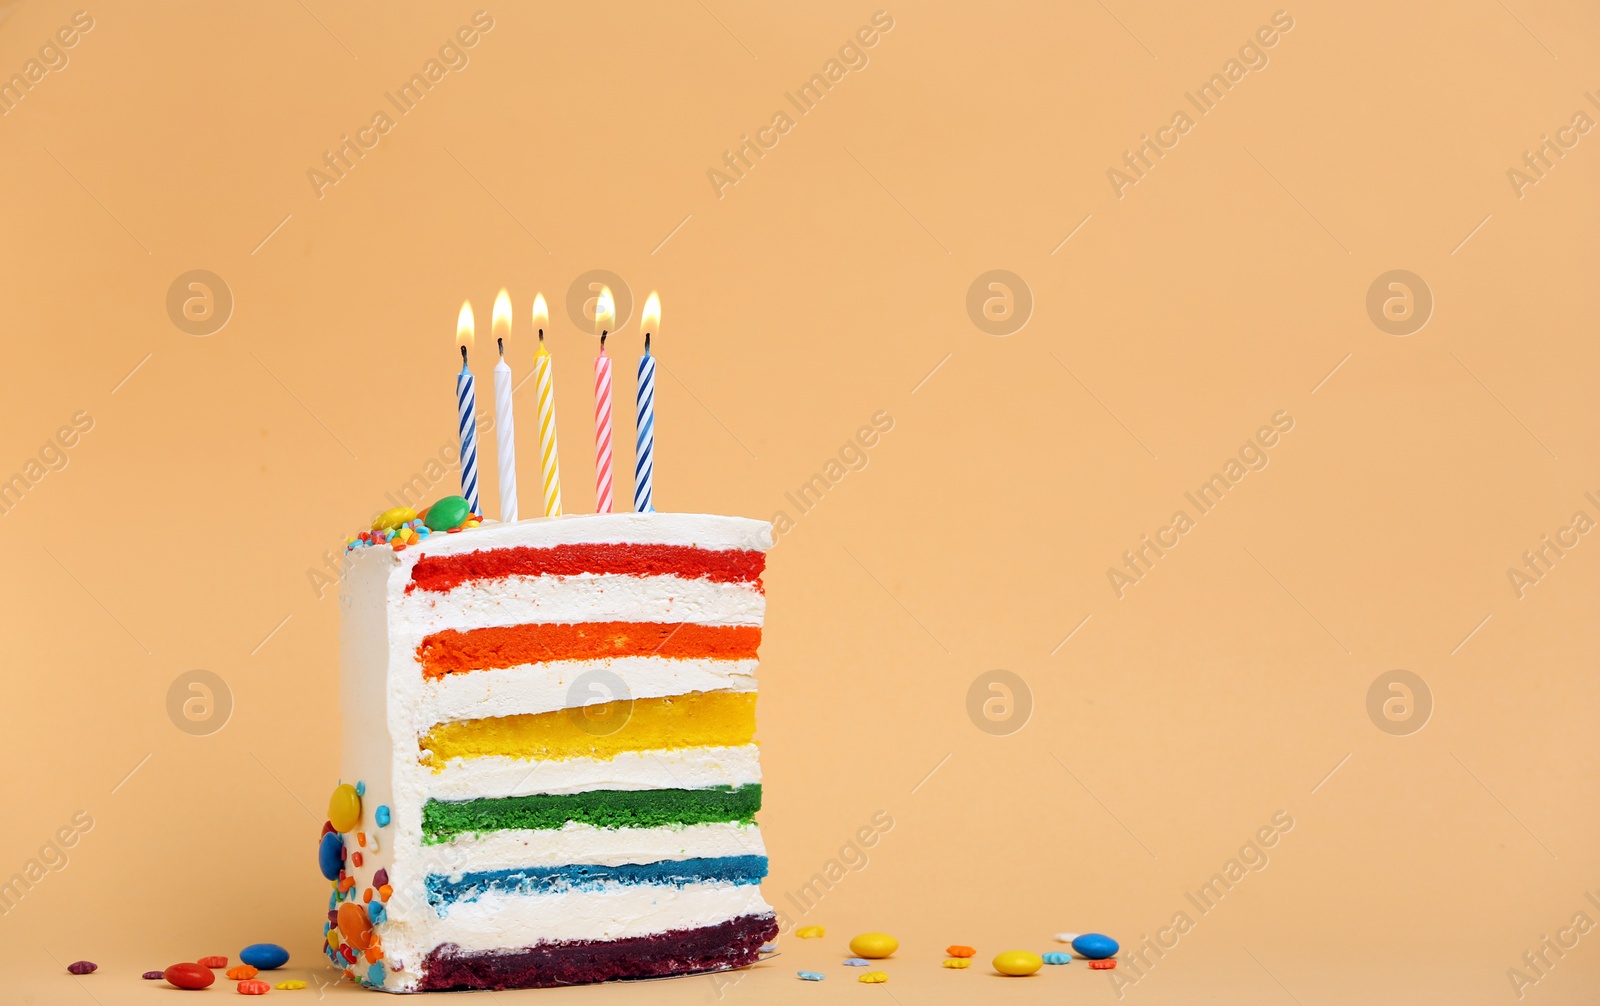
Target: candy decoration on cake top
column 505, row 429
column 645, row 450
column 467, row 410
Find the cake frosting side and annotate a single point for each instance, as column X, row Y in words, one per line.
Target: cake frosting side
column 551, row 724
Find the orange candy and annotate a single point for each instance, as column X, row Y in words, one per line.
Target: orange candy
column 212, row 962
column 366, row 896
column 959, row 951
column 355, row 858
column 252, row 987
column 242, row 972
column 374, row 954
column 355, row 926
column 384, row 892
column 361, row 840
column 1105, row 965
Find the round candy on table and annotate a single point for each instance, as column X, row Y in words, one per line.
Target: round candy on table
column 393, row 518
column 448, row 513
column 874, row 945
column 253, row 987
column 189, row 976
column 82, row 967
column 1094, row 946
column 344, row 808
column 958, row 950
column 265, row 956
column 151, row 976
column 811, row 976
column 1057, row 957
column 1017, row 963
column 329, row 855
column 1066, row 937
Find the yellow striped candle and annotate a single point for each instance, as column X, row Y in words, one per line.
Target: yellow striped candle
column 544, row 388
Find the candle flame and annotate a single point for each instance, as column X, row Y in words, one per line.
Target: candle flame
column 541, row 313
column 650, row 319
column 605, row 310
column 500, row 325
column 464, row 325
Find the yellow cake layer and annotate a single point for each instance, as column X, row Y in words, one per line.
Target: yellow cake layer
column 698, row 719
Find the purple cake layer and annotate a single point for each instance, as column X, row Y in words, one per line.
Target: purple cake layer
column 732, row 944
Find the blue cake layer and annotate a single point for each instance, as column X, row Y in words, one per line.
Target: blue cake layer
column 443, row 891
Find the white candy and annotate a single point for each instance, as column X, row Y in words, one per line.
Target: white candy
column 1067, row 937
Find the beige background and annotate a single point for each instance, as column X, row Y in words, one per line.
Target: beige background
column 827, row 285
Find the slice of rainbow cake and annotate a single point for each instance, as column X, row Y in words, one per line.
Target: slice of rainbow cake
column 549, row 767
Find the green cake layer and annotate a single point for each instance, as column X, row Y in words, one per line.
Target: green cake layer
column 603, row 808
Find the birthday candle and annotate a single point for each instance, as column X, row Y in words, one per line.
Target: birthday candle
column 645, row 448
column 549, row 455
column 467, row 411
column 602, row 409
column 505, row 424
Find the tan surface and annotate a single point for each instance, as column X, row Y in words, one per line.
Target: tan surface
column 821, row 289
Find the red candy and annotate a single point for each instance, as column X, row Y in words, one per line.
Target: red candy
column 1105, row 965
column 189, row 976
column 213, row 962
column 252, row 987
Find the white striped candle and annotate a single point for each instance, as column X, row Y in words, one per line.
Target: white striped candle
column 645, row 449
column 549, row 454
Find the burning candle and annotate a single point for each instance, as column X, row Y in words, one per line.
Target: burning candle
column 505, row 424
column 467, row 411
column 604, row 318
column 645, row 448
column 544, row 388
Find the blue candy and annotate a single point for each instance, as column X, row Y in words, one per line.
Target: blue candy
column 856, row 962
column 375, row 974
column 1095, row 946
column 265, row 956
column 1057, row 957
column 361, row 788
column 811, row 976
column 328, row 855
column 377, row 913
column 381, row 815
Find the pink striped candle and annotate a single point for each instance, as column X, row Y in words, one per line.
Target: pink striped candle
column 602, row 430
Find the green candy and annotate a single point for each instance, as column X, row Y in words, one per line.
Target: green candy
column 447, row 513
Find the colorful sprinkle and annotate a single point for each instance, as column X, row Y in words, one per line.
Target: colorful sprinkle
column 254, row 988
column 290, row 985
column 151, row 976
column 380, row 878
column 959, row 950
column 811, row 976
column 1057, row 957
column 213, row 962
column 811, row 932
column 82, row 967
column 375, row 974
column 361, row 788
column 381, row 815
column 873, row 978
column 1105, row 964
column 856, row 962
column 958, row 962
column 242, row 972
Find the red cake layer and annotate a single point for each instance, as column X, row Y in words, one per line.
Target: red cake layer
column 442, row 572
column 732, row 944
column 453, row 651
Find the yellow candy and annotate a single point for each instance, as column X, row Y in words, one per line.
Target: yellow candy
column 874, row 978
column 874, row 945
column 1018, row 962
column 293, row 983
column 470, row 523
column 393, row 518
column 333, row 939
column 811, row 932
column 958, row 962
column 344, row 808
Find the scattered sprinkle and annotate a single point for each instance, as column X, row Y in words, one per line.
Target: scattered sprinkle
column 382, row 815
column 151, row 976
column 291, row 985
column 811, row 976
column 811, row 932
column 212, row 962
column 958, row 962
column 82, row 967
column 873, row 978
column 1105, row 965
column 856, row 962
column 252, row 987
column 959, row 950
column 242, row 972
column 1056, row 957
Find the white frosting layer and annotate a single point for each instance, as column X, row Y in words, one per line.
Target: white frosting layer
column 682, row 768
column 584, row 844
column 497, row 920
column 607, row 597
column 387, row 706
column 566, row 684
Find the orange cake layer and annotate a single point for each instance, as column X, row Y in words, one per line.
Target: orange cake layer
column 453, row 651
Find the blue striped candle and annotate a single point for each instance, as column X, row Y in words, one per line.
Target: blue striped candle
column 645, row 449
column 467, row 412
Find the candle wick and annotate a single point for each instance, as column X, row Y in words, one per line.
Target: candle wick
column 502, row 344
column 463, row 356
column 602, row 340
column 647, row 342
column 541, row 335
